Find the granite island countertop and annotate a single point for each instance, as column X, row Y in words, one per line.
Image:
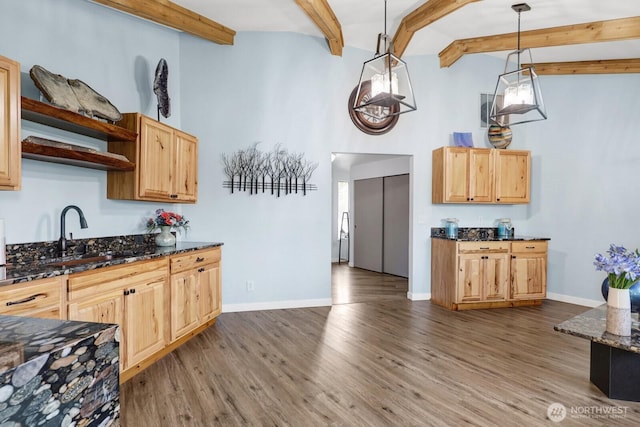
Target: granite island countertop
column 477, row 234
column 50, row 267
column 592, row 326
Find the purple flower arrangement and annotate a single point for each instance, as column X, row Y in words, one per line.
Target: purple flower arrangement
column 621, row 265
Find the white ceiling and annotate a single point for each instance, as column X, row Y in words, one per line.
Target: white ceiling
column 362, row 20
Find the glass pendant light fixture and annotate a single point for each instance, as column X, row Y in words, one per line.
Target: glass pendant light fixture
column 517, row 98
column 386, row 78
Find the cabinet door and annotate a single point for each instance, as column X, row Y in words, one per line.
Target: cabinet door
column 209, row 292
column 512, row 172
column 469, row 278
column 184, row 303
column 480, row 176
column 10, row 146
column 185, row 182
column 155, row 160
column 529, row 276
column 456, row 175
column 144, row 308
column 495, row 271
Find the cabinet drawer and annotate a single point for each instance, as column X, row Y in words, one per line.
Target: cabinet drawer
column 194, row 259
column 536, row 246
column 26, row 298
column 117, row 277
column 482, row 247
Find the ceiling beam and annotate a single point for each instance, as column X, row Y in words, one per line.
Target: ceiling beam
column 592, row 32
column 172, row 15
column 610, row 66
column 424, row 15
column 321, row 14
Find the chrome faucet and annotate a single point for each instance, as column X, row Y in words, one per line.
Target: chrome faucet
column 62, row 242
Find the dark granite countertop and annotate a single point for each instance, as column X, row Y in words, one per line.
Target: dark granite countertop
column 480, row 234
column 43, row 336
column 592, row 326
column 50, row 267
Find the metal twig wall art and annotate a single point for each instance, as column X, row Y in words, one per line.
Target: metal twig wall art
column 160, row 88
column 276, row 172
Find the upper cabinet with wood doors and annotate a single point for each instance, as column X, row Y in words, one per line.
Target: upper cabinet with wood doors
column 166, row 163
column 9, row 124
column 480, row 175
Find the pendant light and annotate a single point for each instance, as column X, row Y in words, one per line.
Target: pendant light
column 386, row 77
column 517, row 98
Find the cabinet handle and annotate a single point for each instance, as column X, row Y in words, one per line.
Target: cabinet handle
column 530, row 247
column 27, row 299
column 201, row 269
column 133, row 291
column 498, row 199
column 126, row 292
column 198, row 259
column 484, row 248
column 174, row 196
column 513, row 257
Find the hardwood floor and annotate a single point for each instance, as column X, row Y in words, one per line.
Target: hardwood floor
column 389, row 362
column 349, row 285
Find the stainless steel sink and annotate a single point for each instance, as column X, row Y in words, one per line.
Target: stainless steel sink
column 70, row 262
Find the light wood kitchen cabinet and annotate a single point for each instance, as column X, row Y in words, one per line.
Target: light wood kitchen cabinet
column 131, row 295
column 195, row 290
column 39, row 298
column 480, row 175
column 166, row 162
column 528, row 270
column 10, row 152
column 512, row 172
column 467, row 275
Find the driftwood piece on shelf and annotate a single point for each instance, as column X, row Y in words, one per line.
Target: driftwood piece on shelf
column 73, row 95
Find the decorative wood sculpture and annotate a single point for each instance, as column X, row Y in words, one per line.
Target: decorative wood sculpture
column 73, row 95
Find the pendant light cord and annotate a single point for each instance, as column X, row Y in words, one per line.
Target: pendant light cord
column 518, row 38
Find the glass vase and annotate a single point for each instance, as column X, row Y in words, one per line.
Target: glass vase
column 165, row 237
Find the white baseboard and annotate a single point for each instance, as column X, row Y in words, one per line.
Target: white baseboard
column 574, row 300
column 276, row 305
column 418, row 296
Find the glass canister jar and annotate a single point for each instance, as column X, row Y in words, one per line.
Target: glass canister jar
column 504, row 227
column 451, row 227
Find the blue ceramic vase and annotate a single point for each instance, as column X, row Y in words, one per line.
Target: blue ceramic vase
column 634, row 293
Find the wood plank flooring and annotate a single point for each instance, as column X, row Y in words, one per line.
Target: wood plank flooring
column 384, row 362
column 349, row 285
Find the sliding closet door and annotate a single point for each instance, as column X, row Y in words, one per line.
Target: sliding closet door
column 396, row 225
column 367, row 213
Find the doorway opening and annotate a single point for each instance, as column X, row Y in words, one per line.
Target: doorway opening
column 371, row 241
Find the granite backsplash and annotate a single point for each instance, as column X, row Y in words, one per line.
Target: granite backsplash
column 27, row 253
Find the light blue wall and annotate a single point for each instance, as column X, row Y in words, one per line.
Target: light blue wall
column 283, row 88
column 116, row 55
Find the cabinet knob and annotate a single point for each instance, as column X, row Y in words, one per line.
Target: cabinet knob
column 513, row 256
column 201, row 269
column 174, row 196
column 198, row 259
column 133, row 291
column 126, row 292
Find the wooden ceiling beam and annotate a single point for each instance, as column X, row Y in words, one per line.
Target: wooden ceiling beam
column 609, row 66
column 592, row 32
column 322, row 15
column 172, row 15
column 424, row 15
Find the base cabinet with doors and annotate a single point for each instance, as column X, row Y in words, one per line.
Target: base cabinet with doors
column 10, row 145
column 132, row 296
column 195, row 290
column 488, row 274
column 166, row 162
column 480, row 175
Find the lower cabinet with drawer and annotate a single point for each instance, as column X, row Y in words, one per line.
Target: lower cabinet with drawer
column 488, row 274
column 39, row 298
column 195, row 290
